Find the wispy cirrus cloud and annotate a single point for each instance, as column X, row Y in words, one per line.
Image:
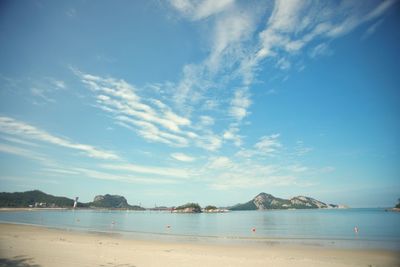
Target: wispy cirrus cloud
column 372, row 29
column 220, row 163
column 151, row 119
column 154, row 120
column 19, row 141
column 232, row 134
column 152, row 170
column 182, row 157
column 321, row 49
column 230, row 174
column 301, row 149
column 268, row 145
column 231, row 32
column 127, row 178
column 26, row 153
column 238, row 47
column 45, row 89
column 24, row 130
column 240, row 104
column 295, row 24
column 197, row 10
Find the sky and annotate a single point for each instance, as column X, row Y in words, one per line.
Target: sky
column 169, row 102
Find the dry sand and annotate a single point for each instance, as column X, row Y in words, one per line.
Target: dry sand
column 25, row 246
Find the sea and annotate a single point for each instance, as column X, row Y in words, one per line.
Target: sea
column 376, row 228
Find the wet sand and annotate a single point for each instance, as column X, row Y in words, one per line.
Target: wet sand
column 22, row 245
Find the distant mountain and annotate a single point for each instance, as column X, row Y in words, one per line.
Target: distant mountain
column 39, row 199
column 265, row 201
column 112, row 202
column 35, row 198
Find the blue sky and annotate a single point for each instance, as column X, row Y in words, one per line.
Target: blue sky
column 167, row 102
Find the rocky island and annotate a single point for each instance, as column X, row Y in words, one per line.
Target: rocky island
column 264, row 201
column 187, row 208
column 112, row 202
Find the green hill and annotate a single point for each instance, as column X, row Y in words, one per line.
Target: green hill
column 39, row 199
column 35, row 198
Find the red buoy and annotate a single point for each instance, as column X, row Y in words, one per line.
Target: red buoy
column 253, row 229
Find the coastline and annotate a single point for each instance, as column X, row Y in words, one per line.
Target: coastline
column 58, row 209
column 55, row 247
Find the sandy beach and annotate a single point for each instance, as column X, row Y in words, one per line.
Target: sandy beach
column 22, row 245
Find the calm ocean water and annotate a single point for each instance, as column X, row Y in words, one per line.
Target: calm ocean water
column 377, row 228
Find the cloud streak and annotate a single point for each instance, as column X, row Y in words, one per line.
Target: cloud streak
column 294, row 24
column 26, row 131
column 151, row 118
column 198, row 10
column 182, row 157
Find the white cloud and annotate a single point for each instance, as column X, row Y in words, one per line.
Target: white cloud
column 285, row 17
column 240, row 182
column 229, row 35
column 59, row 84
column 23, row 130
column 210, row 104
column 182, row 157
column 21, row 152
column 39, row 92
column 301, row 149
column 154, row 121
column 197, row 10
column 294, row 24
column 356, row 19
column 43, row 89
column 176, row 173
column 151, row 132
column 71, row 12
column 283, row 64
column 232, row 134
column 60, row 171
column 220, row 163
column 372, row 29
column 297, row 168
column 240, row 104
column 231, row 30
column 209, row 142
column 18, row 141
column 128, row 178
column 226, row 174
column 268, row 144
column 206, row 121
column 321, row 50
column 151, row 119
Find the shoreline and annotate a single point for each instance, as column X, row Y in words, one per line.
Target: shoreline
column 56, row 247
column 316, row 242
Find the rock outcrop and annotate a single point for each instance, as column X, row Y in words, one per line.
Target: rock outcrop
column 264, row 201
column 112, row 202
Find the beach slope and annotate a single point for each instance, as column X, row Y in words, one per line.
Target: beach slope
column 22, row 245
